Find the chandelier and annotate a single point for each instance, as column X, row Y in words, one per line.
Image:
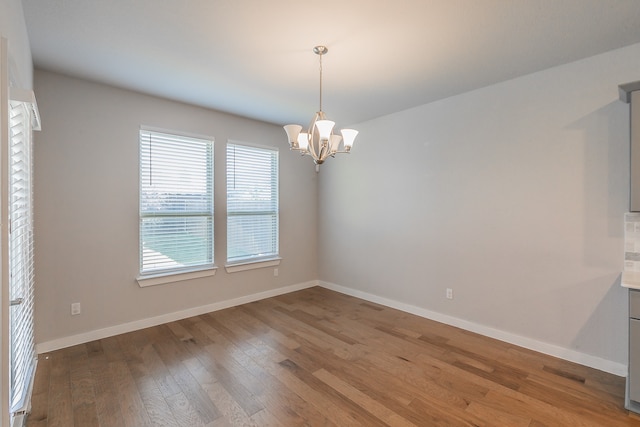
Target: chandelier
column 319, row 141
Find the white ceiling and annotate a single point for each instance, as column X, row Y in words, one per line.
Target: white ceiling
column 254, row 57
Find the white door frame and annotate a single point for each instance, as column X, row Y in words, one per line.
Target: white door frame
column 4, row 235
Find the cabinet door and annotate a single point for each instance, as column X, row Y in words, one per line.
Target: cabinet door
column 635, row 151
column 634, row 360
column 634, row 304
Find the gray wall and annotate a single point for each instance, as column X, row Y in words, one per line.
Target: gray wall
column 14, row 29
column 512, row 195
column 86, row 208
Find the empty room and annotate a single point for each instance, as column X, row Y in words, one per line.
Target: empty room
column 293, row 213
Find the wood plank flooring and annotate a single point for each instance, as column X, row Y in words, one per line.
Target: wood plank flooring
column 316, row 358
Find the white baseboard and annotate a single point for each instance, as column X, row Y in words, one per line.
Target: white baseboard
column 532, row 344
column 85, row 337
column 595, row 362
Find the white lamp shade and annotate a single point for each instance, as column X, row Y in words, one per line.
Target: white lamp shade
column 349, row 136
column 335, row 143
column 292, row 132
column 325, row 127
column 303, row 141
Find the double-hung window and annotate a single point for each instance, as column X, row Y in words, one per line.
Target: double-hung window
column 252, row 203
column 176, row 203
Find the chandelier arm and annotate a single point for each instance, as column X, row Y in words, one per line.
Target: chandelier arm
column 312, row 148
column 310, row 135
column 323, row 151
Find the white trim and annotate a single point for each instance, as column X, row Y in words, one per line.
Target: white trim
column 4, row 233
column 177, row 133
column 27, row 97
column 85, row 337
column 251, row 265
column 253, row 144
column 595, row 362
column 161, row 279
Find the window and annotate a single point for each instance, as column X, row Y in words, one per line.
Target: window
column 20, row 254
column 252, row 203
column 176, row 203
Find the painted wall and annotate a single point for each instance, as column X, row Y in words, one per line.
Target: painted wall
column 14, row 29
column 86, row 208
column 512, row 195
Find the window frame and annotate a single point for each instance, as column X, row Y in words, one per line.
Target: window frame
column 150, row 277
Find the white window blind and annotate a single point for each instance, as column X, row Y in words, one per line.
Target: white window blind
column 252, row 203
column 21, row 274
column 176, row 203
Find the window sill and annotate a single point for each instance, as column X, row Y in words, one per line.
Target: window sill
column 163, row 278
column 252, row 265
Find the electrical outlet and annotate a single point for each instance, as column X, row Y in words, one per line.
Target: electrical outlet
column 75, row 308
column 449, row 293
column 275, row 272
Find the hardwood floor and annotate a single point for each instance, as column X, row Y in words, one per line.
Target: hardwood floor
column 317, row 358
